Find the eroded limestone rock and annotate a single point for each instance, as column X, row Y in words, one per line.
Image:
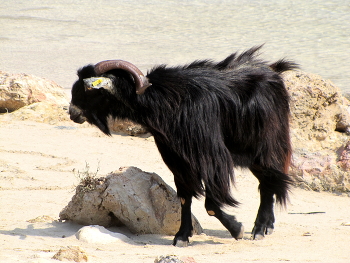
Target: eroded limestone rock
column 319, row 126
column 141, row 201
column 19, row 90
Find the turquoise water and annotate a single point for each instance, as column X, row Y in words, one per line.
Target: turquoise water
column 52, row 39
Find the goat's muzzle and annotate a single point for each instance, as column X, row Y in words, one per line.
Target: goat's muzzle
column 76, row 114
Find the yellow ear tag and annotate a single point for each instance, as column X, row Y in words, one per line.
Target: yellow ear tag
column 96, row 82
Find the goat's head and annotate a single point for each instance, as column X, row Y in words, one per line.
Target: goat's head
column 103, row 90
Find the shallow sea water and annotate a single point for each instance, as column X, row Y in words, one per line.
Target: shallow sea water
column 52, row 39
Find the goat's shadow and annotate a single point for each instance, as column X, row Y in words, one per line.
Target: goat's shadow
column 224, row 234
column 53, row 229
column 67, row 229
column 56, row 229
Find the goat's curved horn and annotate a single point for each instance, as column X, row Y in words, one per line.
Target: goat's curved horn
column 141, row 81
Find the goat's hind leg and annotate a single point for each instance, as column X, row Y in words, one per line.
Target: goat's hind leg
column 186, row 228
column 235, row 228
column 265, row 219
column 271, row 182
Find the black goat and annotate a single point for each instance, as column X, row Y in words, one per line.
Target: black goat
column 206, row 119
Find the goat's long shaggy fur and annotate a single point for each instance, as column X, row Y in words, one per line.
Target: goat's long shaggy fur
column 206, row 119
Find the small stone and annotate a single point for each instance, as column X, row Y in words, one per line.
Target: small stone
column 41, row 219
column 71, row 253
column 174, row 259
column 168, row 259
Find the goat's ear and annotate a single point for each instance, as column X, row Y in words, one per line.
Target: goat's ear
column 97, row 83
column 86, row 72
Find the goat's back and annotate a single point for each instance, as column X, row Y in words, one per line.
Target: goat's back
column 241, row 101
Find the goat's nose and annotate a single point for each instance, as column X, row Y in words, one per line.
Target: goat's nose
column 76, row 114
column 78, row 119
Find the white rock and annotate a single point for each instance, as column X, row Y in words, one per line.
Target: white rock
column 100, row 235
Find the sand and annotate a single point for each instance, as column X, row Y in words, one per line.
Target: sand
column 37, row 180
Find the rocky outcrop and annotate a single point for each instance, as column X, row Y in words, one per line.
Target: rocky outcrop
column 320, row 122
column 27, row 97
column 19, row 90
column 141, row 201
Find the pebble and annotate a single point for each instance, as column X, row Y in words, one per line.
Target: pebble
column 71, row 253
column 174, row 259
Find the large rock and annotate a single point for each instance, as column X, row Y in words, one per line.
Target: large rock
column 141, row 201
column 320, row 120
column 27, row 97
column 19, row 90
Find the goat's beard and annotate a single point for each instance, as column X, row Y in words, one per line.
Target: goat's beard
column 79, row 116
column 100, row 123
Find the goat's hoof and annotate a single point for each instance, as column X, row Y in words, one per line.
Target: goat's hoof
column 241, row 233
column 269, row 231
column 237, row 230
column 260, row 230
column 258, row 237
column 180, row 243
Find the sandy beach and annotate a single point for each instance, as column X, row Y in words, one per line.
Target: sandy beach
column 37, row 180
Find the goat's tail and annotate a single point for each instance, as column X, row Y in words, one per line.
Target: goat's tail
column 278, row 180
column 288, row 159
column 278, row 183
column 283, row 65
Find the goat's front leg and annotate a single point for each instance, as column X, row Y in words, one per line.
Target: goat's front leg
column 186, row 228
